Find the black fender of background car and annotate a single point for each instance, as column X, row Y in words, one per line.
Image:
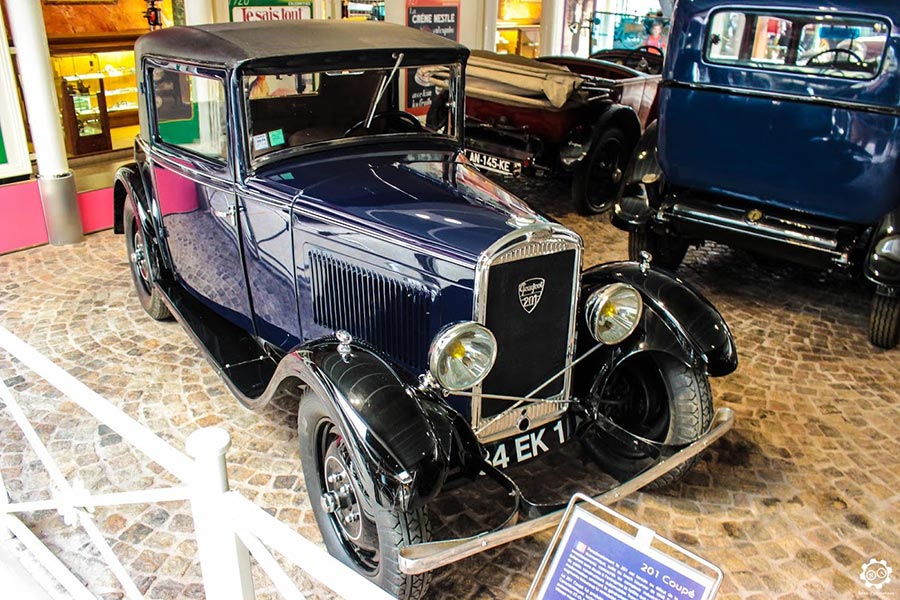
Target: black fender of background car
column 406, row 439
column 582, row 140
column 678, row 320
column 883, row 257
column 130, row 185
column 643, row 181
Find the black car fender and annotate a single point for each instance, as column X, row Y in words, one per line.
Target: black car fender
column 642, row 184
column 677, row 319
column 577, row 146
column 405, row 438
column 882, row 266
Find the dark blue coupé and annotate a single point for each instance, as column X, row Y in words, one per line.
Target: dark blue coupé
column 316, row 239
column 779, row 132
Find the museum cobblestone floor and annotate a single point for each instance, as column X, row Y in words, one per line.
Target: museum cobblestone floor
column 791, row 503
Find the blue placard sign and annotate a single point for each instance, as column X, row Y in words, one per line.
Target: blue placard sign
column 595, row 560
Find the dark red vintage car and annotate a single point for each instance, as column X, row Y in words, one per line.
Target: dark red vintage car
column 556, row 116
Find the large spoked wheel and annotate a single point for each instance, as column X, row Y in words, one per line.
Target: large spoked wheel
column 139, row 261
column 597, row 181
column 884, row 321
column 667, row 251
column 657, row 398
column 369, row 543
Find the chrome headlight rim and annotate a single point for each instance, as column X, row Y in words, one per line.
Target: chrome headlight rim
column 444, row 338
column 599, row 299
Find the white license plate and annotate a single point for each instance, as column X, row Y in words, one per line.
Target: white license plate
column 515, row 450
column 489, row 162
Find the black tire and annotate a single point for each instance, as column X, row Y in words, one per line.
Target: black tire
column 596, row 182
column 884, row 321
column 667, row 251
column 139, row 263
column 658, row 398
column 373, row 549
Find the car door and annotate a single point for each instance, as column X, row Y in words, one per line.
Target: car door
column 195, row 189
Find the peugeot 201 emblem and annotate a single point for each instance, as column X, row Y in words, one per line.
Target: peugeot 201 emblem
column 530, row 292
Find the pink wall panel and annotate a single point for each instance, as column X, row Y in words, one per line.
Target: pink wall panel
column 22, row 219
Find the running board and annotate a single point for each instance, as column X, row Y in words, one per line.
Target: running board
column 420, row 558
column 233, row 353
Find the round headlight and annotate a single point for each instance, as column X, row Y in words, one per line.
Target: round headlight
column 613, row 312
column 461, row 355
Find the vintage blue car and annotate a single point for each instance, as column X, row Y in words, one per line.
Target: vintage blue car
column 778, row 132
column 317, row 240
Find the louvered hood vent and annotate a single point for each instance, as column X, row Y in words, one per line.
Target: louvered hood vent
column 386, row 312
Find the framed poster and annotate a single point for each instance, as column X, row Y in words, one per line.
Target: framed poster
column 270, row 10
column 14, row 161
column 598, row 553
column 440, row 17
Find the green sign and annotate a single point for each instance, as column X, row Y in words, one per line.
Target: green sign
column 270, row 10
column 3, row 159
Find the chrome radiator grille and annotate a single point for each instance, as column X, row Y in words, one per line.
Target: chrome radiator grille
column 527, row 298
column 388, row 313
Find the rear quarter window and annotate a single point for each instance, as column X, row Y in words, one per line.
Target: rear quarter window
column 844, row 47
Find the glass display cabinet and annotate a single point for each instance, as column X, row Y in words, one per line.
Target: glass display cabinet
column 99, row 100
column 85, row 116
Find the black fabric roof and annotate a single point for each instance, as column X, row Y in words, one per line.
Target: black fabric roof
column 231, row 44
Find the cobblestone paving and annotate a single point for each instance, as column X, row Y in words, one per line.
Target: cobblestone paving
column 790, row 504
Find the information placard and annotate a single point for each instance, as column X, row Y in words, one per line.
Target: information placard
column 594, row 558
column 270, row 10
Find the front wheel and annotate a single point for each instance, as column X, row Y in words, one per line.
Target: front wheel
column 368, row 543
column 657, row 398
column 596, row 182
column 884, row 321
column 667, row 251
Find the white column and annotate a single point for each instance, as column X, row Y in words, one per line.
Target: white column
column 198, row 12
column 552, row 17
column 56, row 182
column 489, row 25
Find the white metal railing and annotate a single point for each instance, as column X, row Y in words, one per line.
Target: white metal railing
column 229, row 528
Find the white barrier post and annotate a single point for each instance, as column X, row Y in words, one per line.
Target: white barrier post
column 224, row 560
column 5, row 533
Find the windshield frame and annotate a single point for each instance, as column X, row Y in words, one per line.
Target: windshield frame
column 412, row 59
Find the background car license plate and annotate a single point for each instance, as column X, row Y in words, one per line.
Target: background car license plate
column 493, row 163
column 518, row 449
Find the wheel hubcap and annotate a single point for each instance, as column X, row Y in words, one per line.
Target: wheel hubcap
column 139, row 257
column 340, row 501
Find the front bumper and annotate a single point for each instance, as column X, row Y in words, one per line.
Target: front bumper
column 420, row 558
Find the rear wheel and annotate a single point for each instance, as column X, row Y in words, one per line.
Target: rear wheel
column 368, row 543
column 139, row 260
column 657, row 398
column 667, row 251
column 596, row 182
column 884, row 321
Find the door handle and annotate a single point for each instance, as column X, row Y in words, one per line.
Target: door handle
column 228, row 215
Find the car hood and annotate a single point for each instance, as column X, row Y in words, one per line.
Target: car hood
column 432, row 198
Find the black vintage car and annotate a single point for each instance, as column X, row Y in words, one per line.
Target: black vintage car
column 315, row 239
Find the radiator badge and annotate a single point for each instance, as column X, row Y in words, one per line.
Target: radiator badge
column 530, row 292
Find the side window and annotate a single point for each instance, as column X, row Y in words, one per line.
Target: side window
column 190, row 113
column 842, row 47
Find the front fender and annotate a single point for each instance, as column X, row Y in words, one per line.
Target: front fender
column 883, row 257
column 699, row 330
column 406, row 439
column 643, row 182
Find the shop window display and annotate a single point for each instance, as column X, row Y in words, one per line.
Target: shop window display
column 98, row 97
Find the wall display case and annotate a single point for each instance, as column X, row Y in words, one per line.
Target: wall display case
column 98, row 94
column 524, row 40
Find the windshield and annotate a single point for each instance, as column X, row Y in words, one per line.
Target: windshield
column 299, row 110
